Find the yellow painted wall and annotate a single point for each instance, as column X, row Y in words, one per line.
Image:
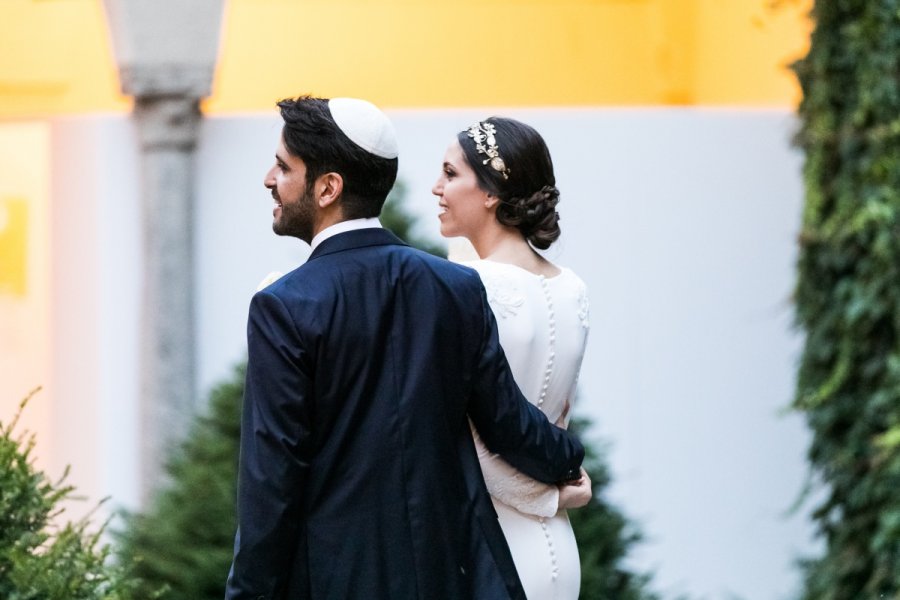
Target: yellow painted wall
column 55, row 56
column 744, row 49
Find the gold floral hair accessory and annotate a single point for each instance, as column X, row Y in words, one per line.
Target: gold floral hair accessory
column 483, row 134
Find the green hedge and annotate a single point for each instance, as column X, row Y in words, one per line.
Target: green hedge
column 183, row 543
column 41, row 558
column 848, row 294
column 604, row 535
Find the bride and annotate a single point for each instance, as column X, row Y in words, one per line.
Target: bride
column 497, row 189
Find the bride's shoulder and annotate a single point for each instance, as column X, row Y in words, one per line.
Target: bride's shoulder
column 572, row 277
column 493, row 274
column 498, row 274
column 575, row 285
column 504, row 290
column 481, row 265
column 578, row 293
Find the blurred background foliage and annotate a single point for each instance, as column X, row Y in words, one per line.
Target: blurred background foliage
column 183, row 543
column 604, row 535
column 41, row 556
column 848, row 295
column 395, row 217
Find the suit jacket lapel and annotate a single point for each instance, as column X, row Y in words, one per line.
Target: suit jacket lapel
column 358, row 238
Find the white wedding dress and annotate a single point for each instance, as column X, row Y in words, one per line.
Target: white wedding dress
column 543, row 325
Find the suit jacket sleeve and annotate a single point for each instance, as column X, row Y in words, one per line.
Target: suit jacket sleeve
column 510, row 425
column 275, row 453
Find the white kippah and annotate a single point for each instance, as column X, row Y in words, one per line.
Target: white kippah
column 365, row 125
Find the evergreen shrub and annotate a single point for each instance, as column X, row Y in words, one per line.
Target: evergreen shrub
column 182, row 544
column 41, row 559
column 604, row 536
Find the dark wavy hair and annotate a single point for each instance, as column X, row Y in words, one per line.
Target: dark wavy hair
column 528, row 197
column 311, row 134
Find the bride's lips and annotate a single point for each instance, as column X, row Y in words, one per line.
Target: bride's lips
column 442, row 209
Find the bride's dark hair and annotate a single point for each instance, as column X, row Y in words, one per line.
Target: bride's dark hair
column 528, row 194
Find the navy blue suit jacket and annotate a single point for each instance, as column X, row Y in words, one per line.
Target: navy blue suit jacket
column 358, row 475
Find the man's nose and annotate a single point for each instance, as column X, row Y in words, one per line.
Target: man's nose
column 269, row 180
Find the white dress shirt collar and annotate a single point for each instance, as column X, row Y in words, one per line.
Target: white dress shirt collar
column 344, row 226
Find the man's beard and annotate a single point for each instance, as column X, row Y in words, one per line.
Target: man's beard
column 297, row 217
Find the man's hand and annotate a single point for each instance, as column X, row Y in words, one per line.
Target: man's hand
column 577, row 493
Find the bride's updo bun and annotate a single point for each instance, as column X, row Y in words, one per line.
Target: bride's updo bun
column 535, row 216
column 522, row 179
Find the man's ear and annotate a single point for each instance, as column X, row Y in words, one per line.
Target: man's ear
column 329, row 187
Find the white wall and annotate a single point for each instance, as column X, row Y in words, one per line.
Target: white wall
column 682, row 223
column 96, row 287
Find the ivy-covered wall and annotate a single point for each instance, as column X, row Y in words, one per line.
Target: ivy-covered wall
column 848, row 294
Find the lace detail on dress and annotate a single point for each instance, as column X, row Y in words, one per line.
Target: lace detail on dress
column 584, row 308
column 502, row 293
column 523, row 493
column 513, row 488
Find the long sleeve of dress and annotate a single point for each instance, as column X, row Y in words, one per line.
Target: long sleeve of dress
column 514, row 488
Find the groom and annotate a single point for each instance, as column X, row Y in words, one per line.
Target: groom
column 358, row 476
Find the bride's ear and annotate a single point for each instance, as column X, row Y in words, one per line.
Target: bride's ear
column 491, row 201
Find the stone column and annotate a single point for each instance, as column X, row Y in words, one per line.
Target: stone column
column 166, row 52
column 167, row 131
